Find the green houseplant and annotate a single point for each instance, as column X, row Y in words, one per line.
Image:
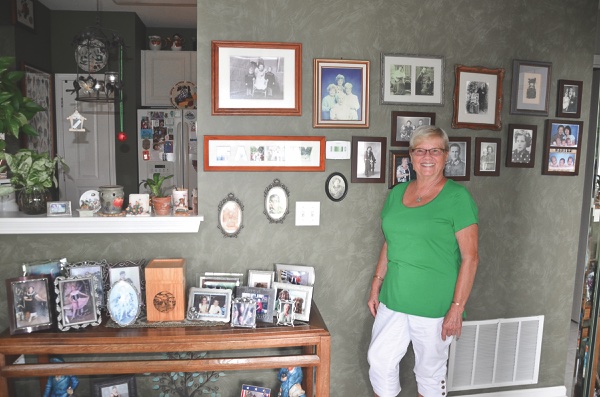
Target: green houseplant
column 160, row 201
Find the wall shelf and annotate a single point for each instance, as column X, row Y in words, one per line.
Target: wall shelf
column 16, row 223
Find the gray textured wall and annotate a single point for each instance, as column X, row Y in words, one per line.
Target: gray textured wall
column 529, row 222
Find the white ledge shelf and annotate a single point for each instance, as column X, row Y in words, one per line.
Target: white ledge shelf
column 17, row 223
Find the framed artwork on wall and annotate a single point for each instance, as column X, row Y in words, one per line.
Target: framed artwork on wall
column 458, row 165
column 568, row 103
column 341, row 93
column 487, row 156
column 401, row 168
column 477, row 98
column 404, row 123
column 24, row 13
column 231, row 216
column 39, row 86
column 562, row 147
column 530, row 88
column 254, row 78
column 368, row 159
column 412, row 80
column 521, row 145
column 336, row 186
column 277, row 198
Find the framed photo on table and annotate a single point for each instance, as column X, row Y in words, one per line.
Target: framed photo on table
column 562, row 147
column 207, row 304
column 29, row 304
column 521, row 145
column 77, row 302
column 300, row 295
column 487, row 156
column 254, row 78
column 368, row 159
column 120, row 386
column 39, row 86
column 404, row 123
column 341, row 93
column 458, row 164
column 530, row 88
column 477, row 98
column 401, row 168
column 265, row 301
column 412, row 80
column 260, row 278
column 97, row 270
column 568, row 103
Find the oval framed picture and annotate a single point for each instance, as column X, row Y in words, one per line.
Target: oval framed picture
column 230, row 216
column 123, row 303
column 276, row 202
column 336, row 186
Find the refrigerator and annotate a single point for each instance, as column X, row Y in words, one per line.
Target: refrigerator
column 168, row 145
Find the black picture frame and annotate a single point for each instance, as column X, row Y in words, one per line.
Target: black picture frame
column 336, row 186
column 368, row 167
column 520, row 147
column 25, row 294
column 562, row 154
column 402, row 130
column 487, row 163
column 568, row 101
column 459, row 169
column 530, row 87
column 123, row 384
column 399, row 172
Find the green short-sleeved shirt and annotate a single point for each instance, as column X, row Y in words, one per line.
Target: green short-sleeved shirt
column 423, row 253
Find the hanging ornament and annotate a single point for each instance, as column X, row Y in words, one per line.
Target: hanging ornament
column 122, row 136
column 76, row 120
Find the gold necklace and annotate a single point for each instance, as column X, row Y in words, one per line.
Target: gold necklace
column 420, row 197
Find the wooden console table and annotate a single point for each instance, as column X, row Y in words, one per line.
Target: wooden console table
column 313, row 339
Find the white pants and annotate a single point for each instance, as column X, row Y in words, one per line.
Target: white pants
column 392, row 333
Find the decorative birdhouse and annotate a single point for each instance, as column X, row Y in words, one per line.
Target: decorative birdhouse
column 76, row 120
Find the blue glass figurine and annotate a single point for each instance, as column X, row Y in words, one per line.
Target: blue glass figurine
column 60, row 385
column 291, row 380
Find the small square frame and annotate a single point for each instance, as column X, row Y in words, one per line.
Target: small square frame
column 368, row 168
column 58, row 208
column 222, row 296
column 397, row 173
column 459, row 173
column 568, row 103
column 486, row 163
column 521, row 158
column 76, row 294
column 558, row 149
column 261, row 278
column 124, row 384
column 337, row 76
column 402, row 130
column 478, row 98
column 301, row 295
column 285, row 316
column 295, row 274
column 530, row 87
column 264, row 311
column 246, row 309
column 16, row 290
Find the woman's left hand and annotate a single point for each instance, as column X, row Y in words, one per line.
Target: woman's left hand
column 452, row 324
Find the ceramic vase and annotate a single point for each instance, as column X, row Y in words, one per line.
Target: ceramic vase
column 33, row 201
column 111, row 198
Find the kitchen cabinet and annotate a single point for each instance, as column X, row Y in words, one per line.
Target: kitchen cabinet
column 161, row 70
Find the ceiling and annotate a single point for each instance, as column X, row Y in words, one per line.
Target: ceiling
column 154, row 13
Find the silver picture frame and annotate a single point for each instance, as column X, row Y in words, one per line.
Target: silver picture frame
column 77, row 302
column 217, row 301
column 231, row 216
column 124, row 302
column 243, row 313
column 277, row 198
column 264, row 298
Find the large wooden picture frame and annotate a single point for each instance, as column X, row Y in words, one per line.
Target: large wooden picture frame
column 264, row 153
column 530, row 88
column 562, row 147
column 477, row 98
column 254, row 78
column 39, row 86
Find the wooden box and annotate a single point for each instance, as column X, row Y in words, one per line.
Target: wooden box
column 165, row 290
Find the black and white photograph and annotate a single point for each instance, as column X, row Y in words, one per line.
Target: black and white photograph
column 243, row 313
column 265, row 301
column 124, row 302
column 336, row 186
column 458, row 162
column 404, row 123
column 487, row 156
column 209, row 304
column 569, row 98
column 29, row 304
column 368, row 159
column 78, row 305
column 117, row 387
column 530, row 87
column 401, row 168
column 521, row 145
column 276, row 202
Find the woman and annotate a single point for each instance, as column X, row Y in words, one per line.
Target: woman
column 425, row 270
column 488, row 160
column 569, row 137
column 522, row 141
column 203, row 306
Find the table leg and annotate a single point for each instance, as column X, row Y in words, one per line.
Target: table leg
column 308, row 380
column 324, row 353
column 43, row 359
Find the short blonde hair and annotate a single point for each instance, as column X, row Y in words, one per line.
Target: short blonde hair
column 428, row 131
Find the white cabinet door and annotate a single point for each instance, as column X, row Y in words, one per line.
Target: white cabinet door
column 161, row 70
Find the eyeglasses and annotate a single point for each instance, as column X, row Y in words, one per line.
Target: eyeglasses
column 435, row 152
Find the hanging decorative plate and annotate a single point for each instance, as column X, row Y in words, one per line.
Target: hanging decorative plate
column 183, row 95
column 91, row 55
column 90, row 201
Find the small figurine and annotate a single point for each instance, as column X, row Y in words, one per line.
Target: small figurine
column 60, row 385
column 291, row 379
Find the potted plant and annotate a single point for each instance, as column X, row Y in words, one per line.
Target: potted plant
column 160, row 202
column 32, row 176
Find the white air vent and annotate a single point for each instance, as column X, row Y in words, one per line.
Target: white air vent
column 496, row 353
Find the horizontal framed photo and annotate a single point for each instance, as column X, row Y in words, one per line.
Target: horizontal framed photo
column 77, row 302
column 478, row 98
column 562, row 147
column 487, row 156
column 213, row 282
column 58, row 208
column 458, row 165
column 368, row 159
column 276, row 202
column 404, row 123
column 264, row 298
column 254, row 78
column 207, row 304
column 49, row 267
column 301, row 295
column 568, row 103
column 29, row 304
column 264, row 153
column 97, row 270
column 243, row 313
column 341, row 93
column 231, row 211
column 123, row 386
column 260, row 278
column 295, row 274
column 521, row 145
column 124, row 302
column 401, row 168
column 336, row 186
column 412, row 80
column 530, row 88
column 255, row 391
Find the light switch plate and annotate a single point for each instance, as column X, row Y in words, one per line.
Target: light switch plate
column 308, row 213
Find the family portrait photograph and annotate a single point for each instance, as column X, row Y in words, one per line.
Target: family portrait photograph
column 562, row 147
